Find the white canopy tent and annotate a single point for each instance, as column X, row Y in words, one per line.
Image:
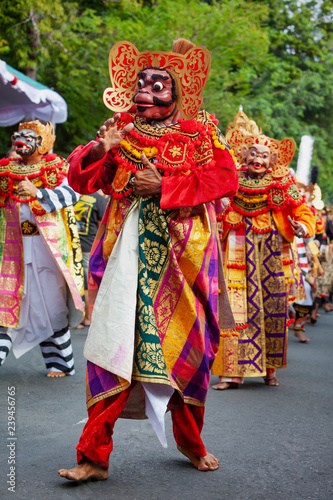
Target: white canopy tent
column 22, row 98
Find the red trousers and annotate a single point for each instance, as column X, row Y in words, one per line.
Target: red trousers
column 270, row 373
column 96, row 440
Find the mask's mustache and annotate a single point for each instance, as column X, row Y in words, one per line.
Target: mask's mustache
column 160, row 102
column 157, row 102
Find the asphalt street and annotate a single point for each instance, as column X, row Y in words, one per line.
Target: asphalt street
column 272, row 442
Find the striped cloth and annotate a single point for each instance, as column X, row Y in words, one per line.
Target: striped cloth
column 303, row 259
column 305, row 268
column 5, row 345
column 57, row 351
column 60, row 197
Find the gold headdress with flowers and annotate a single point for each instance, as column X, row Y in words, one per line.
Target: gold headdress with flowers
column 46, row 132
column 245, row 132
column 190, row 72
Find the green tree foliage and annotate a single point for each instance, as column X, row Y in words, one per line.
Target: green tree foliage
column 273, row 57
column 294, row 96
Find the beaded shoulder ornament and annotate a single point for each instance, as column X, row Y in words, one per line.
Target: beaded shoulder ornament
column 46, row 173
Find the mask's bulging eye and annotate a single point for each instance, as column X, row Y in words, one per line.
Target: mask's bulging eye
column 158, row 86
column 141, row 83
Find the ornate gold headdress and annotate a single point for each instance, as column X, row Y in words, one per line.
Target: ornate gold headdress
column 190, row 72
column 242, row 122
column 243, row 131
column 45, row 131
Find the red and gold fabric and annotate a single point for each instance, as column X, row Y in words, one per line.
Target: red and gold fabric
column 320, row 223
column 48, row 173
column 257, row 197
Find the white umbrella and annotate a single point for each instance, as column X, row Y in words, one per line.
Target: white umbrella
column 22, row 98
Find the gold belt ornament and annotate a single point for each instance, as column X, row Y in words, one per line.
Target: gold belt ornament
column 28, row 228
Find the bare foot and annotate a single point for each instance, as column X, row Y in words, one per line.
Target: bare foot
column 313, row 318
column 82, row 325
column 222, row 386
column 209, row 462
column 84, row 471
column 272, row 382
column 52, row 374
column 301, row 337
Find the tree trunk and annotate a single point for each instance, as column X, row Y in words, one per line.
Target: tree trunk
column 34, row 41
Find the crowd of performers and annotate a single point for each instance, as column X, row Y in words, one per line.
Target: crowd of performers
column 316, row 262
column 207, row 254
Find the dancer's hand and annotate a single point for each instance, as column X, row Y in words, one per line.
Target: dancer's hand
column 298, row 228
column 27, row 188
column 109, row 138
column 147, row 182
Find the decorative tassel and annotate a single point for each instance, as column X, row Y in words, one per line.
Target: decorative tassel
column 229, row 333
column 234, row 265
column 242, row 326
column 236, row 285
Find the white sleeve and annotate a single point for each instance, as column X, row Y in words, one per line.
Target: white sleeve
column 60, row 197
column 305, row 229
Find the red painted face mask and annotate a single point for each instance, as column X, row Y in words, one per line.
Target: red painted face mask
column 154, row 97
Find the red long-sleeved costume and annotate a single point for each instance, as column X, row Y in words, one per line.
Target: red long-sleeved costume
column 209, row 177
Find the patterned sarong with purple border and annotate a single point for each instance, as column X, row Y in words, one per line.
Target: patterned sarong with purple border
column 177, row 333
column 263, row 344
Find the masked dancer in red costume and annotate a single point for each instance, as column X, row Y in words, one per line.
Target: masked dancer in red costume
column 157, row 316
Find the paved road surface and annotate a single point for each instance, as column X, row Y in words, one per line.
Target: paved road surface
column 273, row 443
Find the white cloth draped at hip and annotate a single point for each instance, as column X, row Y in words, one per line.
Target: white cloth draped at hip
column 110, row 341
column 43, row 308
